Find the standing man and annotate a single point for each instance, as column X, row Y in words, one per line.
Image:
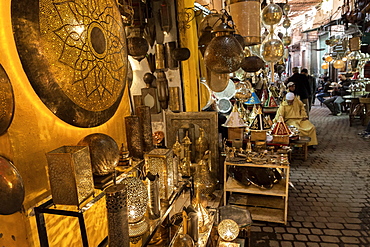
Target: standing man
column 302, row 88
column 340, row 89
column 312, row 85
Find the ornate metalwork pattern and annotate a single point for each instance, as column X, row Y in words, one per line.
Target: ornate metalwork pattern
column 135, row 143
column 6, row 101
column 116, row 202
column 184, row 120
column 74, row 54
column 160, row 161
column 143, row 112
column 70, row 174
column 137, row 198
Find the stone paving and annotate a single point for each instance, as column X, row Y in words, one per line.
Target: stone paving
column 329, row 205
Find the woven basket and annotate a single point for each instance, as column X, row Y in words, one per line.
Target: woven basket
column 365, row 100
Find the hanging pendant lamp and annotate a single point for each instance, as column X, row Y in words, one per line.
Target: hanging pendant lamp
column 271, row 14
column 246, row 16
column 137, row 46
column 339, row 64
column 272, row 49
column 224, row 53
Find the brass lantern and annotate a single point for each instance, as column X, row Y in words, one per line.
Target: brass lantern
column 272, row 49
column 286, row 22
column 224, row 53
column 339, row 64
column 246, row 16
column 252, row 64
column 137, row 46
column 271, row 14
column 228, row 230
column 287, row 40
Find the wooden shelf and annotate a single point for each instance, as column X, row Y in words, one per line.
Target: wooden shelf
column 255, row 165
column 267, row 214
column 264, row 204
column 257, row 200
column 277, row 190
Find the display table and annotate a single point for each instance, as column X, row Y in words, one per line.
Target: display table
column 49, row 207
column 264, row 204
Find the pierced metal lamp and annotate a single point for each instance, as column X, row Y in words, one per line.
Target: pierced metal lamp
column 224, row 53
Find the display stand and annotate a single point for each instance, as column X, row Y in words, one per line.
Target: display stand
column 264, row 204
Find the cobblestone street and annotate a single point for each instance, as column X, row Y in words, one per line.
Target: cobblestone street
column 329, row 205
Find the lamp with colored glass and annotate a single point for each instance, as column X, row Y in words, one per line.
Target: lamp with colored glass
column 325, row 65
column 339, row 64
column 328, row 58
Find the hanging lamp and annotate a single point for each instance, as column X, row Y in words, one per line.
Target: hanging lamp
column 272, row 48
column 325, row 65
column 246, row 16
column 224, row 53
column 137, row 46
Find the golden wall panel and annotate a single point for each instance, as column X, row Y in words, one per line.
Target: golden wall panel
column 13, row 234
column 34, row 131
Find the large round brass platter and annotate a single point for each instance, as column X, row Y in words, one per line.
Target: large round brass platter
column 75, row 56
column 6, row 101
column 11, row 188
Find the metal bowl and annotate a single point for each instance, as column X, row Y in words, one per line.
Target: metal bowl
column 11, row 188
column 104, row 153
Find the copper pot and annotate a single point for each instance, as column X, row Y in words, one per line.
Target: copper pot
column 252, row 64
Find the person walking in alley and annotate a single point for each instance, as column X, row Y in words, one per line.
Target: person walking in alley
column 302, row 88
column 312, row 85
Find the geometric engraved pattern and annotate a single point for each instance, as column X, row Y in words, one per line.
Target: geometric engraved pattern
column 75, row 56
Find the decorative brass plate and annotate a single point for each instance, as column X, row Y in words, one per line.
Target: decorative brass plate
column 75, row 56
column 6, row 101
column 11, row 188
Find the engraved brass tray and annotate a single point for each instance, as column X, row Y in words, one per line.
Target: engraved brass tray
column 75, row 56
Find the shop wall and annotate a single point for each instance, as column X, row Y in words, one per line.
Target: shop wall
column 34, row 131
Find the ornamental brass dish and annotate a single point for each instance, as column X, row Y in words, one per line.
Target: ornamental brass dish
column 75, row 56
column 6, row 101
column 104, row 153
column 11, row 188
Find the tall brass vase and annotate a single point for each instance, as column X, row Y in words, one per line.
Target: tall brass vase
column 204, row 181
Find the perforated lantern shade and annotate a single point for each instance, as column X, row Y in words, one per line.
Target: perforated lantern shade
column 246, row 16
column 224, row 53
